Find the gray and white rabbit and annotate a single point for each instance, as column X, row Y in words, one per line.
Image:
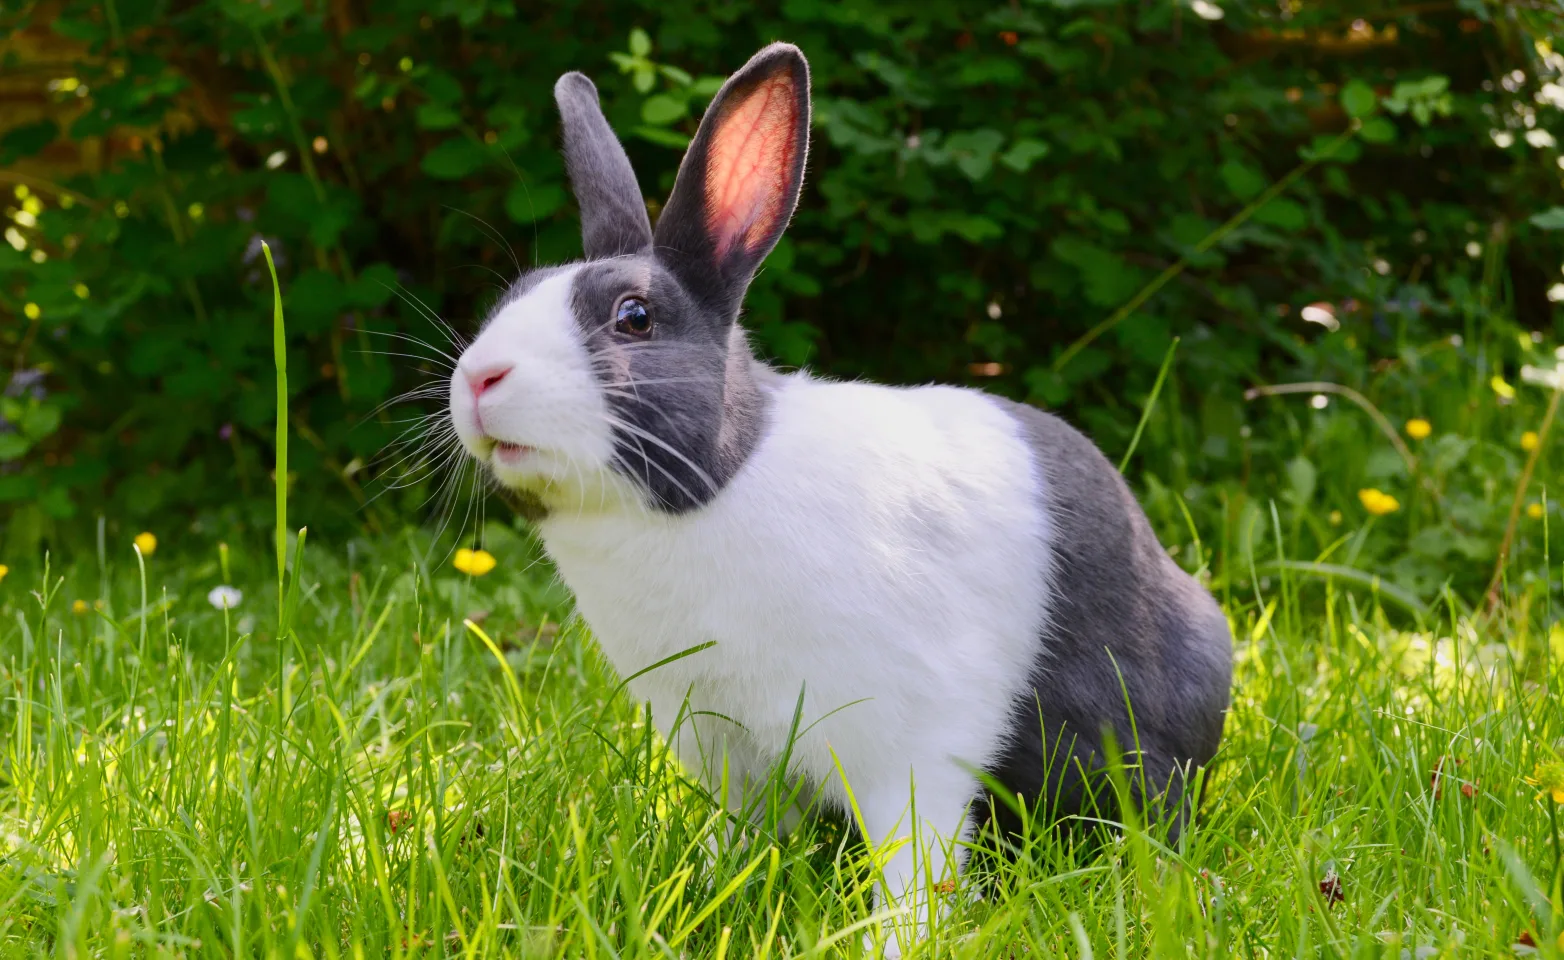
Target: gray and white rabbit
column 955, row 582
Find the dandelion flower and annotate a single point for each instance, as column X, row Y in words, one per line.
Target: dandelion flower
column 1529, row 441
column 146, row 543
column 1550, row 777
column 225, row 597
column 80, row 608
column 1378, row 502
column 1419, row 428
column 1534, row 510
column 474, row 563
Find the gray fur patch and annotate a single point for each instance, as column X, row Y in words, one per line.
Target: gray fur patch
column 613, row 213
column 1125, row 622
column 686, row 408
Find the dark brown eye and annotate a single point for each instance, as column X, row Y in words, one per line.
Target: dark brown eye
column 632, row 318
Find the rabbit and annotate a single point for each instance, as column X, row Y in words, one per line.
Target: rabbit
column 943, row 584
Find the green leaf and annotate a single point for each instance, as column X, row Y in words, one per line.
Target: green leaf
column 1358, row 99
column 454, row 158
column 640, row 42
column 374, row 285
column 1377, row 130
column 527, row 203
column 1283, row 214
column 973, row 151
column 661, row 109
column 26, row 140
column 663, row 137
column 1245, row 181
column 1023, row 153
column 16, row 486
column 1108, row 280
column 1044, row 384
column 1549, row 219
column 436, row 116
column 1328, row 148
column 13, row 445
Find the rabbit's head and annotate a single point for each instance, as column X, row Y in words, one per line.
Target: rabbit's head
column 625, row 376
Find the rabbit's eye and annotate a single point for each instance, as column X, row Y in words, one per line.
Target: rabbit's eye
column 632, row 318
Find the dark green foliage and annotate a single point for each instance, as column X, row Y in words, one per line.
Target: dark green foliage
column 989, row 181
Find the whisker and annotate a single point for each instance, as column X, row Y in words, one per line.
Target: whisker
column 412, row 339
column 660, row 442
column 493, row 234
column 407, row 356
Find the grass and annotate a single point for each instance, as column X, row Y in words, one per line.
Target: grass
column 409, row 761
column 380, row 784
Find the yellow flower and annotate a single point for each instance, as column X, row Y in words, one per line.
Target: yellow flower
column 79, row 607
column 147, row 543
column 1529, row 441
column 1534, row 510
column 1550, row 777
column 1378, row 502
column 1419, row 428
column 474, row 563
column 31, row 311
column 1335, row 518
column 1504, row 390
column 4, row 570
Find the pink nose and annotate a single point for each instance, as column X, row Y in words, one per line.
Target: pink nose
column 484, row 378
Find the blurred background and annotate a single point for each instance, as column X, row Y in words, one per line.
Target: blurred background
column 1031, row 196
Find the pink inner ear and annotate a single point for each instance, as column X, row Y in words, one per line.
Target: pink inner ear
column 748, row 165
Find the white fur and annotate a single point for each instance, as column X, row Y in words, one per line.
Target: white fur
column 550, row 400
column 883, row 549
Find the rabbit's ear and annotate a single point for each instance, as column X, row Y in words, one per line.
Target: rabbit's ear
column 613, row 214
column 739, row 181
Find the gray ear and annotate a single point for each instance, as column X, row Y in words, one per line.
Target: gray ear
column 613, row 214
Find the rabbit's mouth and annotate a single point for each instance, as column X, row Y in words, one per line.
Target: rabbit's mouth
column 511, row 453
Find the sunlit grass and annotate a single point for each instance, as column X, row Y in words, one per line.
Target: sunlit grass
column 381, row 785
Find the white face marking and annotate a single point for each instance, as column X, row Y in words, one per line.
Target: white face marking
column 525, row 400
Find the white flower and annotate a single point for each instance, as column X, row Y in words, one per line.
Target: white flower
column 1501, row 138
column 1556, row 292
column 1206, row 10
column 1540, row 138
column 1321, row 313
column 1543, row 377
column 1474, row 249
column 1551, row 93
column 225, row 597
column 276, row 160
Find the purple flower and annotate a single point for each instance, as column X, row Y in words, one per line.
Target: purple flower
column 225, row 432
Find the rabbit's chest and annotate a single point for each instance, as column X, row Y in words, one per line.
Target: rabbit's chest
column 886, row 553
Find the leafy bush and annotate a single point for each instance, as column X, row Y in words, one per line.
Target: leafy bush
column 992, row 187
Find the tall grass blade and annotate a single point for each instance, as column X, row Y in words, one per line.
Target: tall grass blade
column 1151, row 404
column 280, row 359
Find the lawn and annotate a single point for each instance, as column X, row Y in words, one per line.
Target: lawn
column 433, row 763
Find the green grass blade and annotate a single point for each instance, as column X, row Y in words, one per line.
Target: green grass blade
column 1151, row 404
column 280, row 359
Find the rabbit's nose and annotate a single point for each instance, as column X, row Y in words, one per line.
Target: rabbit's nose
column 483, row 378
